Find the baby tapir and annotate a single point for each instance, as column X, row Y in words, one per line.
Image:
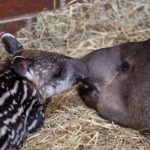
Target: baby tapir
column 27, row 79
column 118, row 84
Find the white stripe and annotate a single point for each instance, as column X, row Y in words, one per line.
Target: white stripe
column 19, row 135
column 18, row 114
column 3, row 98
column 32, row 125
column 7, row 94
column 29, row 109
column 3, row 131
column 5, row 73
column 25, row 92
column 15, row 116
column 23, row 132
column 4, row 146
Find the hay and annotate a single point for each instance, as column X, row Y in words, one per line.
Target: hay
column 76, row 30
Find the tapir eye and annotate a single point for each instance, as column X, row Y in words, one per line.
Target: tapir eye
column 58, row 73
column 30, row 61
column 124, row 67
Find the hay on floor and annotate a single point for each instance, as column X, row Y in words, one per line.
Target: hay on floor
column 76, row 30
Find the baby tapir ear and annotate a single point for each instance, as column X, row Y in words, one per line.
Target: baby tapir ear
column 11, row 43
column 79, row 68
column 20, row 66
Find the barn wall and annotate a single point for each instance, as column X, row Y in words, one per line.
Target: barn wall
column 15, row 14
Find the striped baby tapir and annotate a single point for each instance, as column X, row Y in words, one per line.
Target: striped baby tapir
column 28, row 78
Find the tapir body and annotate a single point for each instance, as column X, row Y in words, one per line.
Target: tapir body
column 118, row 84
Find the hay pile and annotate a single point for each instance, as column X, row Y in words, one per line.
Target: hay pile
column 76, row 30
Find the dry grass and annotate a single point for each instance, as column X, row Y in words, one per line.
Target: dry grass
column 76, row 30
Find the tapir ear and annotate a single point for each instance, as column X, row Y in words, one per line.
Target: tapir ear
column 20, row 66
column 11, row 43
column 79, row 68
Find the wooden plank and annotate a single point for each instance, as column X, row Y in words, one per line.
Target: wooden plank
column 10, row 8
column 12, row 25
column 15, row 14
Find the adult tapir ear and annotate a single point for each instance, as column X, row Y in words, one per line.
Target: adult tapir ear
column 21, row 66
column 11, row 43
column 79, row 68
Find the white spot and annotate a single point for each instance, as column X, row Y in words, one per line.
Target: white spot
column 34, row 92
column 7, row 77
column 9, row 109
column 2, row 85
column 12, row 107
column 5, row 112
column 44, row 71
column 14, row 102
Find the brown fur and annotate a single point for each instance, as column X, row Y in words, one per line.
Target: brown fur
column 118, row 84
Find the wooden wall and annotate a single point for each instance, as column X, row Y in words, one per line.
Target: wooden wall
column 15, row 14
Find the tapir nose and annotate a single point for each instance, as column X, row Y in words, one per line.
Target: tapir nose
column 79, row 68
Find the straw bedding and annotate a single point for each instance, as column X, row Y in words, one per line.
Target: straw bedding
column 76, row 30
